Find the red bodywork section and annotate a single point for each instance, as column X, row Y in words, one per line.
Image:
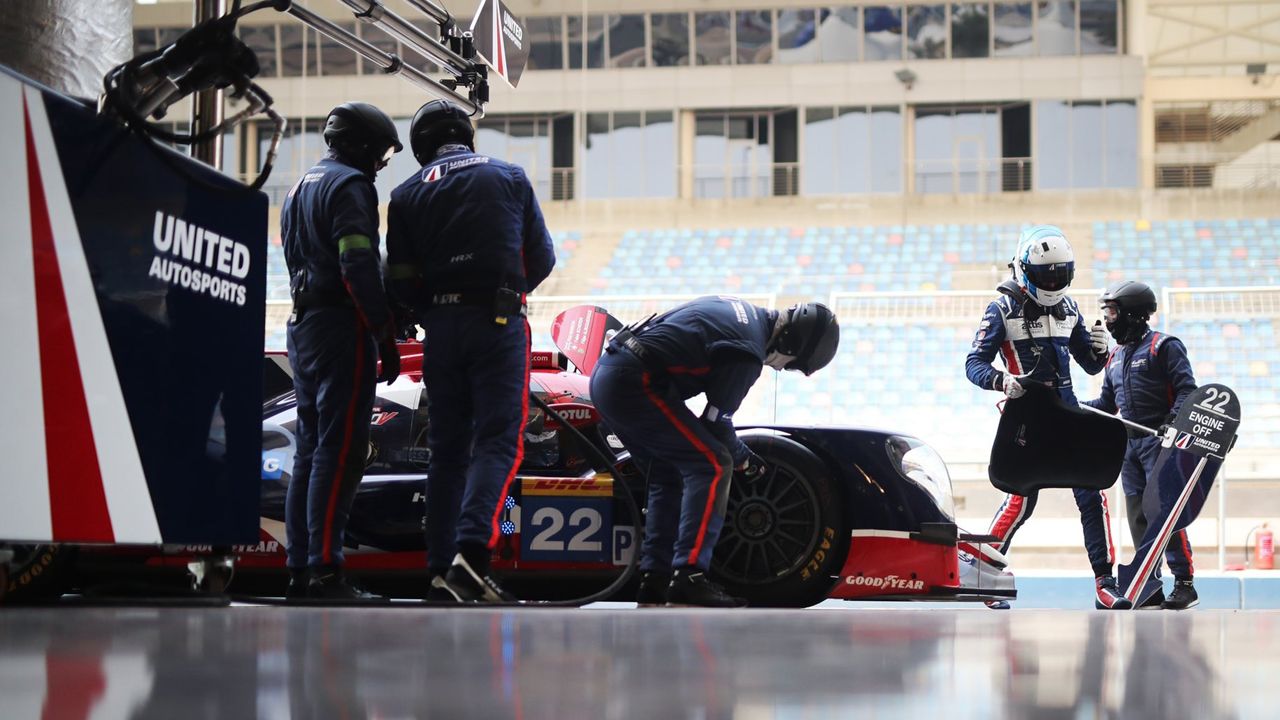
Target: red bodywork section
column 892, row 563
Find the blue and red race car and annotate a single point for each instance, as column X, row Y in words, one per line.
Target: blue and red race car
column 842, row 513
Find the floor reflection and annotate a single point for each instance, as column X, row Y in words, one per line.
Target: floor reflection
column 248, row 662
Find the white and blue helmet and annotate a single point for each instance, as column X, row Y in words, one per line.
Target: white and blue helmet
column 1045, row 264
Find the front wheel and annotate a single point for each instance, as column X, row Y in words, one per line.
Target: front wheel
column 785, row 535
column 38, row 573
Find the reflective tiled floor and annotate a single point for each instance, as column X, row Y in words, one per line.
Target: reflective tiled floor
column 852, row 661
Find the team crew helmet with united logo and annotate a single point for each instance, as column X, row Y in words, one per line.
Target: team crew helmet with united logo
column 1045, row 264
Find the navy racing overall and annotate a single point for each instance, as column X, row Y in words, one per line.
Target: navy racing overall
column 466, row 241
column 715, row 346
column 329, row 226
column 1146, row 382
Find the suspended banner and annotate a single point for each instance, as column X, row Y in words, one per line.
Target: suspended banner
column 500, row 38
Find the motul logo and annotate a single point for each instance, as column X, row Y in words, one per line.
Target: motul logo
column 575, row 413
column 888, row 582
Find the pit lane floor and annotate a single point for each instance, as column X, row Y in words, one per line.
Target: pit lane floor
column 613, row 661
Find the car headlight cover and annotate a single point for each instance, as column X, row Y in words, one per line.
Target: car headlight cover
column 923, row 466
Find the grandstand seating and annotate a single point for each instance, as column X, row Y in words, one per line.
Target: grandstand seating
column 905, row 369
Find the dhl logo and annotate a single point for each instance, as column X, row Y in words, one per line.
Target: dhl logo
column 598, row 486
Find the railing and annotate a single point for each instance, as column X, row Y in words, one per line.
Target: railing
column 743, row 181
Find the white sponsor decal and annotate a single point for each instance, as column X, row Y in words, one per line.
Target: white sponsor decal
column 198, row 259
column 888, row 582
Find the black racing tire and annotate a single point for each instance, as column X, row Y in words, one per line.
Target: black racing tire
column 38, row 573
column 785, row 535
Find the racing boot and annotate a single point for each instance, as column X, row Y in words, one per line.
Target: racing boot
column 329, row 583
column 299, row 579
column 997, row 604
column 438, row 590
column 1183, row 597
column 468, row 579
column 690, row 587
column 1155, row 602
column 1109, row 596
column 653, row 589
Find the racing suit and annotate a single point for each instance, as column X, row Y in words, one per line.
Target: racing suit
column 329, row 225
column 1146, row 382
column 466, row 241
column 713, row 345
column 1036, row 345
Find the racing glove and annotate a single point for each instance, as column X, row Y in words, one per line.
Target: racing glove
column 1012, row 388
column 1098, row 338
column 389, row 354
column 752, row 468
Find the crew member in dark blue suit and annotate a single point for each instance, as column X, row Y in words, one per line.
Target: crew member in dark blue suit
column 340, row 327
column 715, row 346
column 1037, row 329
column 465, row 243
column 1147, row 378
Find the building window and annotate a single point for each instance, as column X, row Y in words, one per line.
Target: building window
column 970, row 30
column 712, row 38
column 144, row 40
column 525, row 141
column 1012, row 30
column 261, row 39
column 882, row 30
column 797, row 36
column 734, row 156
column 838, row 36
column 754, row 36
column 957, row 149
column 546, row 42
column 1086, row 144
column 926, row 32
column 380, row 40
column 298, row 51
column 334, row 58
column 626, row 41
column 670, row 44
column 852, row 150
column 1099, row 27
column 1056, row 27
column 586, row 48
column 629, row 154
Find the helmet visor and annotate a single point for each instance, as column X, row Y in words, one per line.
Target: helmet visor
column 1053, row 277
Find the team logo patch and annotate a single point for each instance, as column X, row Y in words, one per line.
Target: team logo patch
column 1184, row 441
column 435, row 173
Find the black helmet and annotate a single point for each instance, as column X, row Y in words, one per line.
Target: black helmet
column 437, row 123
column 1132, row 298
column 811, row 336
column 362, row 130
column 1134, row 302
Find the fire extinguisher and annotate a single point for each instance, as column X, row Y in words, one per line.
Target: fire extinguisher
column 1264, row 551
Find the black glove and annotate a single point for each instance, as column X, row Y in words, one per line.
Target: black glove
column 389, row 354
column 753, row 468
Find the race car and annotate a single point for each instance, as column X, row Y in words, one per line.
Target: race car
column 841, row 513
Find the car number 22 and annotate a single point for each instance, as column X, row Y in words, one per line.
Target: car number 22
column 568, row 531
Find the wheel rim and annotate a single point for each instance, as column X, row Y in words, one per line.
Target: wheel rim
column 771, row 528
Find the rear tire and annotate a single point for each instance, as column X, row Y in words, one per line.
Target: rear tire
column 38, row 573
column 785, row 536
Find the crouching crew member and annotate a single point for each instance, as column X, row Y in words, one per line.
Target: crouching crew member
column 1146, row 380
column 339, row 329
column 466, row 242
column 1036, row 329
column 715, row 346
